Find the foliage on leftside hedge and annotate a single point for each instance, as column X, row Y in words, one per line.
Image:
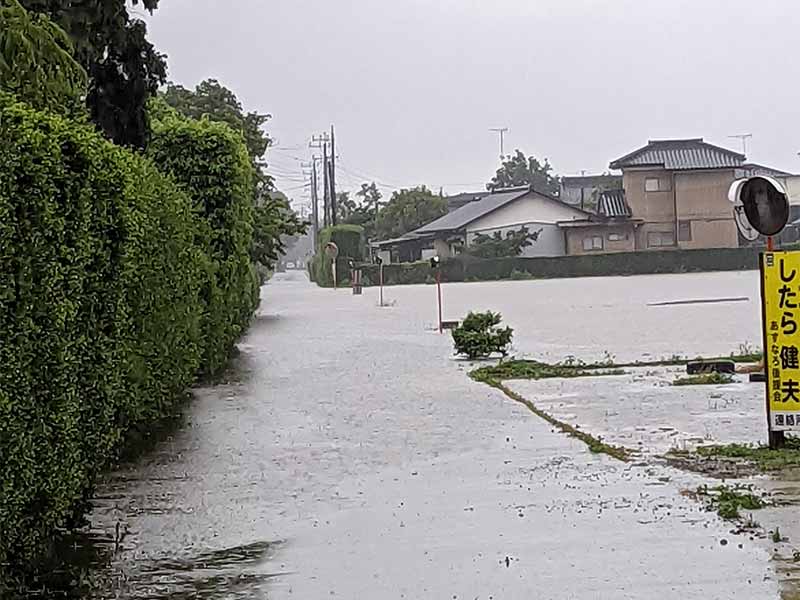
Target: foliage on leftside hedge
column 101, row 310
column 210, row 162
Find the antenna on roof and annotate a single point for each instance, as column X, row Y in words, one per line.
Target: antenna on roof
column 744, row 137
column 502, row 131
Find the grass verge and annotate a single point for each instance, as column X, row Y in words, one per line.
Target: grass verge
column 763, row 458
column 494, row 375
column 704, row 379
column 531, row 369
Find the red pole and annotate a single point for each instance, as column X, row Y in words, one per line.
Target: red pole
column 770, row 245
column 381, row 269
column 439, row 294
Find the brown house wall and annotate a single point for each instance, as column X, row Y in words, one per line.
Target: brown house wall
column 576, row 235
column 701, row 201
column 657, row 209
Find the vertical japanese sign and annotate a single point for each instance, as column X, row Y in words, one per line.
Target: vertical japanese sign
column 780, row 295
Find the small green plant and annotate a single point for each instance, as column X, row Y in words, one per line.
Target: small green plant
column 727, row 501
column 747, row 353
column 609, row 360
column 480, row 335
column 736, row 459
column 705, row 379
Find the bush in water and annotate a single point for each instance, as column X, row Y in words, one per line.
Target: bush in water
column 480, row 335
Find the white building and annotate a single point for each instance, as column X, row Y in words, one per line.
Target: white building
column 503, row 211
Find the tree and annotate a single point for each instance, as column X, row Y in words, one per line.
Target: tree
column 124, row 68
column 36, row 62
column 497, row 246
column 362, row 212
column 275, row 224
column 518, row 170
column 346, row 207
column 218, row 103
column 274, row 220
column 213, row 100
column 408, row 210
column 370, row 198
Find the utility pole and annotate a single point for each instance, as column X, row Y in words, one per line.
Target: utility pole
column 326, row 198
column 314, row 201
column 333, row 177
column 743, row 137
column 502, row 131
column 321, row 141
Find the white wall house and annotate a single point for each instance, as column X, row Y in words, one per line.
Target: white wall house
column 505, row 210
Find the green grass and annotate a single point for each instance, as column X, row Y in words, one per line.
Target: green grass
column 763, row 457
column 705, row 379
column 572, row 367
column 531, row 369
column 728, row 501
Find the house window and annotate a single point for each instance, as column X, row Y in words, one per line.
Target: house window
column 652, row 184
column 615, row 237
column 594, row 242
column 660, row 239
column 684, row 231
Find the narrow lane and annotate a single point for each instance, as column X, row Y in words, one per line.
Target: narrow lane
column 350, row 456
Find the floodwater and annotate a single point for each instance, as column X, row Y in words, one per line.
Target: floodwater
column 350, row 456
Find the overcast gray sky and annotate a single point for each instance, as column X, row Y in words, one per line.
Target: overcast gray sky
column 414, row 85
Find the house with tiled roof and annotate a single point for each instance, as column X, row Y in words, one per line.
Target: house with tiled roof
column 678, row 190
column 487, row 213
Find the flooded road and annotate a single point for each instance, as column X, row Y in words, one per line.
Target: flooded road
column 350, row 456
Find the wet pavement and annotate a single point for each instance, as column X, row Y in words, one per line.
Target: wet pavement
column 350, row 456
column 642, row 411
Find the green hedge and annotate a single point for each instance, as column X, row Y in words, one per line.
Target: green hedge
column 350, row 241
column 209, row 160
column 113, row 289
column 466, row 268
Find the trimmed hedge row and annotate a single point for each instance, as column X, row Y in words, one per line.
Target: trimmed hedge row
column 466, row 268
column 210, row 162
column 114, row 286
column 350, row 241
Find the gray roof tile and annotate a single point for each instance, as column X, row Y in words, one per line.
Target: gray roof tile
column 612, row 204
column 461, row 217
column 458, row 200
column 676, row 155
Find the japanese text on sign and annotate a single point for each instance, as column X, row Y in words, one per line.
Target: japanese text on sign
column 781, row 297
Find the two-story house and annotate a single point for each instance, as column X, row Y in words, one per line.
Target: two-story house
column 679, row 190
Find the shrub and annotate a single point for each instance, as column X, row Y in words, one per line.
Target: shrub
column 480, row 335
column 101, row 316
column 349, row 240
column 210, row 161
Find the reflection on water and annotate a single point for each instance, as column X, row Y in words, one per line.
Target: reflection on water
column 230, row 573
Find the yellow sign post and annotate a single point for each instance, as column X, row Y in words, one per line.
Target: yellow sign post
column 780, row 297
